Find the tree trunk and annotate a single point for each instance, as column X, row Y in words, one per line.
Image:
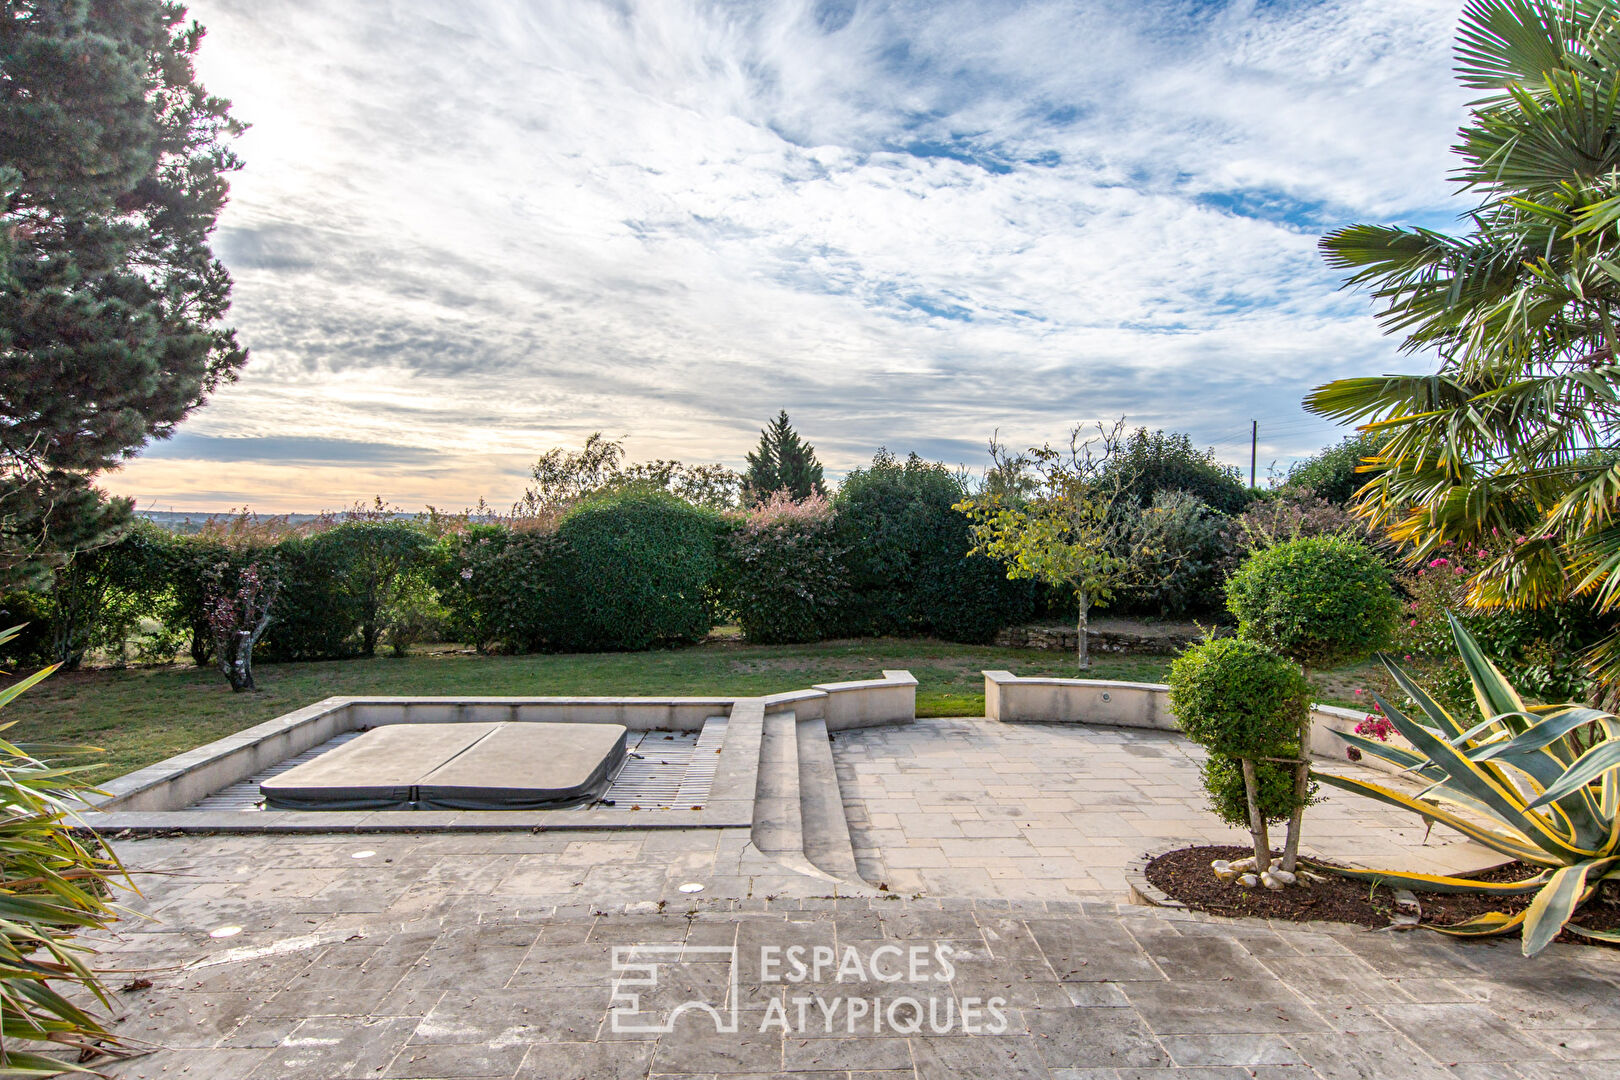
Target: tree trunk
column 1083, row 654
column 1302, row 784
column 237, row 662
column 1257, row 821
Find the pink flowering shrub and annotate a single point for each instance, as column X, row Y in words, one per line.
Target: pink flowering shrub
column 1538, row 651
column 781, row 569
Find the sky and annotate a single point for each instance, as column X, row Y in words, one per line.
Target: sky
column 468, row 231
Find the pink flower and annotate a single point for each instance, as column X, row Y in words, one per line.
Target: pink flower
column 1412, row 623
column 1359, row 692
column 1438, row 562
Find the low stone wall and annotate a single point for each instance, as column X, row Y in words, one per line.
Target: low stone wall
column 863, row 703
column 184, row 779
column 1012, row 699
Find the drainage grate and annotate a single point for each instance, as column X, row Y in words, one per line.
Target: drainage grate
column 245, row 795
column 663, row 770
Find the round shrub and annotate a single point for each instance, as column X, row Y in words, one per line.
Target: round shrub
column 633, row 572
column 781, row 571
column 1223, row 782
column 1320, row 600
column 1239, row 699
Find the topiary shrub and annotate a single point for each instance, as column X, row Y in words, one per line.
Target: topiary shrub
column 1228, row 795
column 1244, row 704
column 780, row 570
column 1238, row 698
column 1320, row 600
column 633, row 572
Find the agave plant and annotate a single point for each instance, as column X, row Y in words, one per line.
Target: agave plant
column 52, row 885
column 1546, row 776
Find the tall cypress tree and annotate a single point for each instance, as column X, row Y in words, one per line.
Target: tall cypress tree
column 112, row 175
column 782, row 462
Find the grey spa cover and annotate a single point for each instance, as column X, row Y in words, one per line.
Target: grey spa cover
column 527, row 767
column 477, row 766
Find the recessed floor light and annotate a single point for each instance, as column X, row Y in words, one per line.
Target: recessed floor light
column 691, row 886
column 224, row 931
column 362, row 855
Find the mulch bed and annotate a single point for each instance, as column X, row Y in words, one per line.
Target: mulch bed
column 1185, row 875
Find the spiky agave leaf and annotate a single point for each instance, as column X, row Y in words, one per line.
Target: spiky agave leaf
column 1533, row 785
column 52, row 884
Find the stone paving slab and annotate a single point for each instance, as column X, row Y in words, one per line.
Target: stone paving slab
column 1058, row 811
column 491, row 955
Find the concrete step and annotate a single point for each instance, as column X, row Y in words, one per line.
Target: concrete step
column 821, row 804
column 778, row 819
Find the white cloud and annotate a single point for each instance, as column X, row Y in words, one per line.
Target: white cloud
column 488, row 227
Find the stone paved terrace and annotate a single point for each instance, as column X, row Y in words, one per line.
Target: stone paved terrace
column 489, row 954
column 972, row 807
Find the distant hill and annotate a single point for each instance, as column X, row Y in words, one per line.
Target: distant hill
column 190, row 521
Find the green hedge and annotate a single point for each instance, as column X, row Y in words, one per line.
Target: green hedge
column 634, row 571
column 906, row 563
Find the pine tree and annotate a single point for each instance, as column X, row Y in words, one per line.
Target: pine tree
column 112, row 176
column 782, row 462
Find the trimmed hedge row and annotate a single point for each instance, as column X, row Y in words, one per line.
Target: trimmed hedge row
column 629, row 569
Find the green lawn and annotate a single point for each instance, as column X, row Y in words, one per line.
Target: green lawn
column 144, row 715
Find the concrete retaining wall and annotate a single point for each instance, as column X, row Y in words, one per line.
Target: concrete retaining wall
column 1136, row 705
column 184, row 779
column 844, row 705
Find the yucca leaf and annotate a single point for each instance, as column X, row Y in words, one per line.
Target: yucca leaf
column 1542, row 733
column 1395, row 755
column 1595, row 935
column 1554, row 904
column 1587, row 768
column 1489, row 924
column 1494, row 693
column 1513, row 848
column 1437, row 883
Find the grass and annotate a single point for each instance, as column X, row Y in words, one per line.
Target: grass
column 143, row 715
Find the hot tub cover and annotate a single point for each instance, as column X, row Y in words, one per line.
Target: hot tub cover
column 469, row 766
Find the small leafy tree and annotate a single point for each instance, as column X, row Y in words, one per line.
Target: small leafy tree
column 1249, row 708
column 565, row 478
column 238, row 604
column 1062, row 528
column 782, row 462
column 1320, row 601
column 381, row 559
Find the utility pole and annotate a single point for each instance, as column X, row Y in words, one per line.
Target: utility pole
column 1254, row 445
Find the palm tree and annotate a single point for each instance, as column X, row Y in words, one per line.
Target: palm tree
column 1513, row 435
